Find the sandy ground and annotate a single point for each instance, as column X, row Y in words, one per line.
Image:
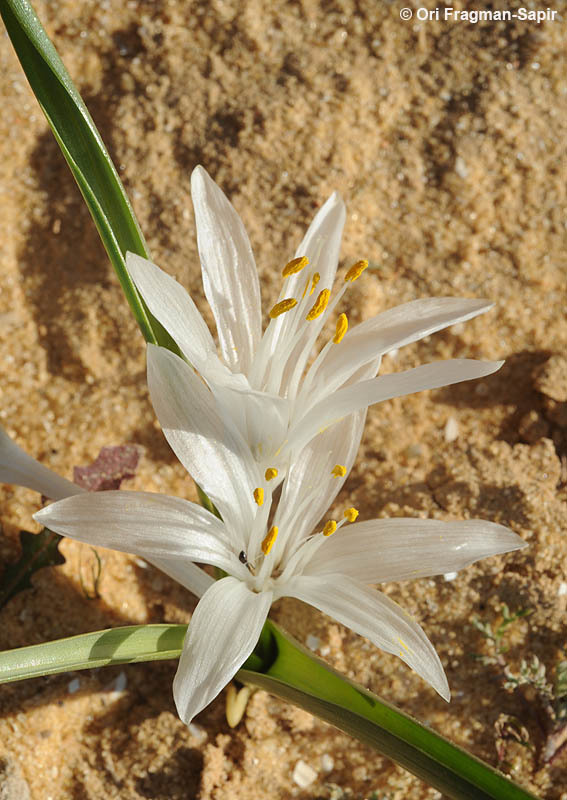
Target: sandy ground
column 447, row 142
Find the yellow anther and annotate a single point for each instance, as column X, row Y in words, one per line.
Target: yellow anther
column 330, row 527
column 271, row 473
column 269, row 540
column 341, row 329
column 356, row 270
column 319, row 305
column 259, row 496
column 338, row 471
column 294, row 266
column 282, row 307
column 350, row 514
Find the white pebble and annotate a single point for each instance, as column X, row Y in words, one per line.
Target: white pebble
column 74, row 686
column 120, row 682
column 450, row 576
column 313, row 642
column 327, row 762
column 460, row 167
column 303, row 774
column 451, row 430
column 116, row 687
column 562, row 589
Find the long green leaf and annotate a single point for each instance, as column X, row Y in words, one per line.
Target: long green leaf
column 308, row 682
column 82, row 147
column 283, row 667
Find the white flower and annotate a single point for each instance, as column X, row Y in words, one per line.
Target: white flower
column 263, row 382
column 266, row 561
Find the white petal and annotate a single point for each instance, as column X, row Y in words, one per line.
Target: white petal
column 224, row 630
column 261, row 417
column 20, row 469
column 172, row 306
column 230, row 278
column 373, row 615
column 210, row 448
column 385, row 387
column 187, row 574
column 321, row 244
column 391, row 330
column 404, row 549
column 146, row 524
column 310, row 487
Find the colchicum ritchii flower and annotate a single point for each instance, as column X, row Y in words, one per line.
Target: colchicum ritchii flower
column 264, row 381
column 266, row 559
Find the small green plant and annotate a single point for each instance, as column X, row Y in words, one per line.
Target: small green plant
column 496, row 635
column 548, row 695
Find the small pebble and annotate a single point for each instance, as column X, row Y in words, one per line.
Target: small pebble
column 303, row 774
column 121, row 682
column 13, row 785
column 461, row 167
column 451, row 430
column 450, row 576
column 74, row 686
column 327, row 762
column 562, row 589
column 313, row 642
column 116, row 687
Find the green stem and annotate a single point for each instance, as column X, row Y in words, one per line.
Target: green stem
column 280, row 665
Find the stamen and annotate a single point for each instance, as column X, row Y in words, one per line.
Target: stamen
column 341, row 329
column 330, row 527
column 282, row 307
column 350, row 514
column 320, row 305
column 269, row 540
column 271, row 473
column 259, row 496
column 294, row 266
column 338, row 471
column 356, row 270
column 314, row 281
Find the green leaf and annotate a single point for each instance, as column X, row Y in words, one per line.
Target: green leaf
column 283, row 667
column 298, row 676
column 38, row 550
column 127, row 645
column 82, row 147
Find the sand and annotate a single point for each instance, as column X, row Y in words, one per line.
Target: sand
column 447, row 143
